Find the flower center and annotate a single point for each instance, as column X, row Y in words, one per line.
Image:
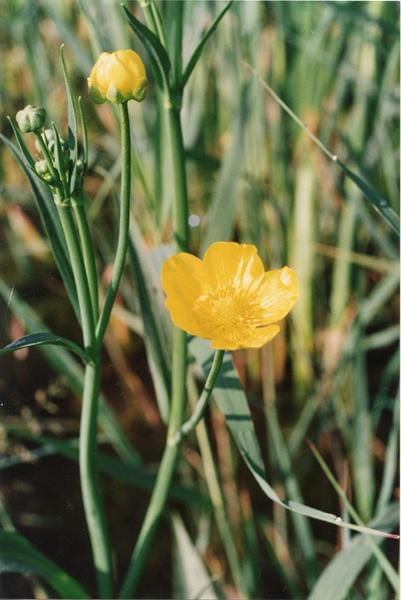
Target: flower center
column 227, row 313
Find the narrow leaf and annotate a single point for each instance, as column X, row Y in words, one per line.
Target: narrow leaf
column 21, row 143
column 38, row 339
column 341, row 573
column 72, row 111
column 378, row 202
column 191, row 579
column 156, row 347
column 157, row 54
column 198, row 50
column 17, row 555
column 232, row 402
column 51, row 225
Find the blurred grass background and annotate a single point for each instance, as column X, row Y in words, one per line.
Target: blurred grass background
column 255, row 177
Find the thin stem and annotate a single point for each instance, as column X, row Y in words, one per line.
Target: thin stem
column 48, row 159
column 78, row 269
column 179, row 373
column 217, row 499
column 88, row 254
column 180, row 208
column 90, row 485
column 91, row 495
column 201, row 405
column 123, row 232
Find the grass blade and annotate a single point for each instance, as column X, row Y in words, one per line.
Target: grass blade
column 231, row 400
column 198, row 50
column 19, row 556
column 339, row 576
column 38, row 339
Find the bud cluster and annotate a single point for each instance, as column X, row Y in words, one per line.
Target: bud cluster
column 54, row 164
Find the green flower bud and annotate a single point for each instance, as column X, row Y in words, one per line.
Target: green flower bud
column 31, row 119
column 41, row 167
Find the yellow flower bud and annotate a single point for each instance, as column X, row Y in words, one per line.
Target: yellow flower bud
column 118, row 77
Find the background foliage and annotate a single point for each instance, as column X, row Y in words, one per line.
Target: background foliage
column 254, row 176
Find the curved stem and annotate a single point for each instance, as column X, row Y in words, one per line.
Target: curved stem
column 179, row 374
column 201, row 405
column 90, row 485
column 88, row 254
column 123, row 232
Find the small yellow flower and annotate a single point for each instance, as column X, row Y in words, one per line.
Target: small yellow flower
column 228, row 297
column 118, row 77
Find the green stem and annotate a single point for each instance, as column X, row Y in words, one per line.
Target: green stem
column 48, row 159
column 179, row 373
column 92, row 500
column 201, row 405
column 218, row 501
column 84, row 301
column 180, row 208
column 123, row 232
column 88, row 254
column 90, row 485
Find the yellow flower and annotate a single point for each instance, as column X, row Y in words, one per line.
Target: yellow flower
column 118, row 77
column 228, row 297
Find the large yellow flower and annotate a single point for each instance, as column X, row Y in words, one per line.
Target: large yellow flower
column 118, row 77
column 228, row 297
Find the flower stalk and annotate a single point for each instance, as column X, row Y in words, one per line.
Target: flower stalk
column 179, row 371
column 202, row 403
column 123, row 233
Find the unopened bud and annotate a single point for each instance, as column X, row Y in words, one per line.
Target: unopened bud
column 31, row 119
column 41, row 167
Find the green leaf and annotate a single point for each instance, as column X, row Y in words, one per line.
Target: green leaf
column 84, row 126
column 191, row 579
column 51, row 225
column 231, row 400
column 340, row 574
column 72, row 138
column 157, row 54
column 151, row 307
column 38, row 339
column 21, row 143
column 17, row 555
column 198, row 50
column 378, row 202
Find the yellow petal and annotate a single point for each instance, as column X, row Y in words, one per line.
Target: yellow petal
column 277, row 294
column 256, row 338
column 229, row 263
column 183, row 277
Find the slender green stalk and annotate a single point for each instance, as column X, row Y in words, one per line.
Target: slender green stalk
column 91, row 494
column 217, row 499
column 201, row 405
column 78, row 268
column 88, row 254
column 179, row 371
column 165, row 474
column 123, row 232
column 90, row 485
